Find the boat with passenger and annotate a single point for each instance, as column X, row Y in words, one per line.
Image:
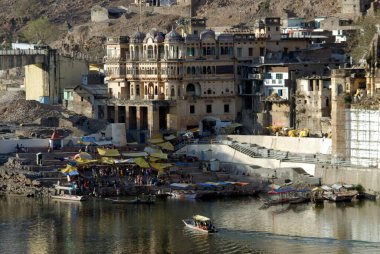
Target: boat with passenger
column 67, row 193
column 200, row 223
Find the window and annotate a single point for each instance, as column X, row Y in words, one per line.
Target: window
column 279, row 92
column 137, row 90
column 226, row 108
column 279, row 76
column 250, row 51
column 192, row 109
column 239, row 52
column 209, row 108
column 81, row 98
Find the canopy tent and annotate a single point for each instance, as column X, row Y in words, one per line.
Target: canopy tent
column 156, row 140
column 81, row 161
column 141, row 162
column 124, row 161
column 134, row 155
column 83, row 155
column 151, row 150
column 170, row 137
column 162, row 156
column 108, row 152
column 193, row 129
column 107, row 160
column 103, row 143
column 201, row 218
column 70, row 170
column 166, row 146
column 87, row 140
column 160, row 166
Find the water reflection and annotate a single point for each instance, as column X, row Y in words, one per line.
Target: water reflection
column 45, row 226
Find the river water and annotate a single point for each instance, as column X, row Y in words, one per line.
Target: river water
column 98, row 226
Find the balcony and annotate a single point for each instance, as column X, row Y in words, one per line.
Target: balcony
column 257, row 76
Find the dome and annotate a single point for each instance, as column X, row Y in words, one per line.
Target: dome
column 207, row 33
column 173, row 36
column 159, row 37
column 138, row 37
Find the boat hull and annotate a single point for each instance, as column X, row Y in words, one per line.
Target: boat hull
column 69, row 197
column 190, row 225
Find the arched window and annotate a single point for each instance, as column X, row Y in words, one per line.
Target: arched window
column 172, row 91
column 340, row 89
column 155, row 90
column 150, row 52
column 190, row 88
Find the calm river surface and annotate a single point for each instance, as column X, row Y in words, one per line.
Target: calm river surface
column 97, row 226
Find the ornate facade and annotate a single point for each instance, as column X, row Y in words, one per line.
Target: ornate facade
column 163, row 82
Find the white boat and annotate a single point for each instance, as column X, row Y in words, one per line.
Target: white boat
column 200, row 223
column 184, row 194
column 67, row 193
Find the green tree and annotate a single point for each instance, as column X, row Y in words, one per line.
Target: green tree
column 40, row 30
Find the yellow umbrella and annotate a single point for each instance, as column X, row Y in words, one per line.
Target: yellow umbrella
column 141, row 162
column 108, row 152
column 167, row 146
column 107, row 160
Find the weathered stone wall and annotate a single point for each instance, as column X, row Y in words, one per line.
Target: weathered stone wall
column 369, row 178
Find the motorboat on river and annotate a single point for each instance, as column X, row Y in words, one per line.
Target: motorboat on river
column 67, row 193
column 200, row 223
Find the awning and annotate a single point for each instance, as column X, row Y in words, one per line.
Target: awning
column 108, row 152
column 167, row 146
column 134, row 155
column 234, row 125
column 103, row 143
column 141, row 162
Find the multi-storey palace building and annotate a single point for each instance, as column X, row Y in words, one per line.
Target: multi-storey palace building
column 171, row 82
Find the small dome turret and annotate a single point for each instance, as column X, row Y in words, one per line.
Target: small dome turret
column 138, row 37
column 173, row 36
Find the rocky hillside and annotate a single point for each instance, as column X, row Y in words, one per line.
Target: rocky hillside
column 88, row 37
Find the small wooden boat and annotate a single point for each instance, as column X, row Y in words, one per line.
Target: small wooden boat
column 299, row 200
column 67, row 193
column 200, row 223
column 146, row 200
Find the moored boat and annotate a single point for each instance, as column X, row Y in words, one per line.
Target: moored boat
column 67, row 193
column 147, row 200
column 200, row 223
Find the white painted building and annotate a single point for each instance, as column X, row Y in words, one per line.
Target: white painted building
column 275, row 81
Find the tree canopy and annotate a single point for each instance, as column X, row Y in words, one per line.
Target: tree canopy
column 40, row 30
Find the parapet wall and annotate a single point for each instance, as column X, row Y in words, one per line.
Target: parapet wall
column 287, row 144
column 9, row 145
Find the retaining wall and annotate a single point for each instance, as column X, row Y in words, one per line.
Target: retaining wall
column 9, row 145
column 224, row 153
column 369, row 178
column 288, row 144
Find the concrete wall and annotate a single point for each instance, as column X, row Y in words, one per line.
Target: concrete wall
column 99, row 14
column 369, row 178
column 224, row 153
column 9, row 145
column 34, row 80
column 289, row 144
column 70, row 73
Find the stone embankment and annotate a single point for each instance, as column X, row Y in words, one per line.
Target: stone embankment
column 16, row 179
